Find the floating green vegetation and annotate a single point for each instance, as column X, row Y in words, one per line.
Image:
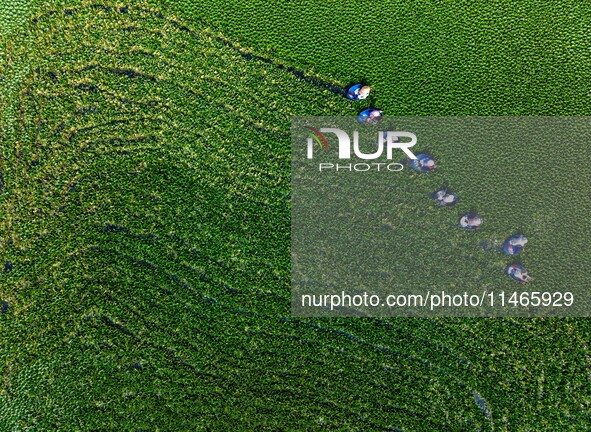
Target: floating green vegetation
column 145, row 239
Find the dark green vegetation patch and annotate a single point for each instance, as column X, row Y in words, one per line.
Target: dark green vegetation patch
column 145, row 216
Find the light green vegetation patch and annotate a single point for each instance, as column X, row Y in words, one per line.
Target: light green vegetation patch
column 426, row 57
column 13, row 14
column 145, row 211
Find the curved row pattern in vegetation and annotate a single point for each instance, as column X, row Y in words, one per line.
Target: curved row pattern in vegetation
column 145, row 214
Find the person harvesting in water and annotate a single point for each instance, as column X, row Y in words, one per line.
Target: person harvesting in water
column 423, row 163
column 370, row 115
column 358, row 92
column 445, row 197
column 514, row 244
column 518, row 272
column 470, row 221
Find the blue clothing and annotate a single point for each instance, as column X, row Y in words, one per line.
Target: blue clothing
column 353, row 92
column 512, row 271
column 511, row 249
column 370, row 115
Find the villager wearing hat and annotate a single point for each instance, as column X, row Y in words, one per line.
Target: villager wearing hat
column 358, row 92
